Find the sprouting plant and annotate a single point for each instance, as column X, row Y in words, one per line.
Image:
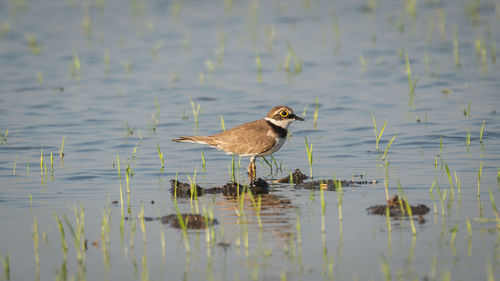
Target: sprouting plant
column 323, row 208
column 222, row 124
column 410, row 215
column 36, row 242
column 183, row 224
column 467, row 139
column 4, row 135
column 481, row 132
column 120, row 179
column 479, row 174
column 156, row 48
column 498, row 176
column 378, row 135
column 6, row 266
column 196, row 111
column 411, row 82
column 203, row 159
column 363, row 62
column 316, row 110
column 291, row 56
column 387, row 148
column 309, row 150
column 141, row 220
column 258, row 62
column 162, row 159
column 15, row 163
column 455, row 46
column 61, row 151
column 74, row 69
column 34, row 46
column 467, row 110
column 192, row 185
column 64, row 246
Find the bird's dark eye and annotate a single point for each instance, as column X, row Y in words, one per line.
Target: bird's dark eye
column 284, row 113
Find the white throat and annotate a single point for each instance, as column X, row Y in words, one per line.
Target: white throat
column 280, row 123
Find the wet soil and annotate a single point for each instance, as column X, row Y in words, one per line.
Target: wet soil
column 260, row 186
column 297, row 177
column 181, row 189
column 192, row 221
column 397, row 208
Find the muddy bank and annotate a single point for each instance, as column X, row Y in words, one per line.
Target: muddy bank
column 260, row 186
column 397, row 208
column 181, row 189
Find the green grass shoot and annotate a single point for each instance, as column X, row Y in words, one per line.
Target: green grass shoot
column 467, row 139
column 291, row 56
column 481, row 132
column 41, row 162
column 6, row 266
column 467, row 110
column 258, row 62
column 411, row 82
column 448, row 174
column 64, row 245
column 15, row 163
column 143, row 226
column 455, row 46
column 323, row 208
column 309, row 150
column 120, row 179
column 61, row 151
column 316, row 110
column 410, row 215
column 479, row 174
column 36, row 245
column 222, row 124
column 183, row 225
column 459, row 184
column 387, row 148
column 128, row 174
column 494, row 207
column 75, row 67
column 378, row 135
column 196, row 111
column 203, row 159
column 4, row 135
column 192, row 185
column 160, row 154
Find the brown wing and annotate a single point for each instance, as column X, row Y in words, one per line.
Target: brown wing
column 244, row 139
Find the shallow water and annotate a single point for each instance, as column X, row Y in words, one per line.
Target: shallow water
column 113, row 78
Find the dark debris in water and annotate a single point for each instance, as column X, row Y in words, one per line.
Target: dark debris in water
column 297, row 177
column 396, row 207
column 260, row 186
column 193, row 221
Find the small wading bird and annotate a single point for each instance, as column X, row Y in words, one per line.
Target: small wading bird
column 258, row 138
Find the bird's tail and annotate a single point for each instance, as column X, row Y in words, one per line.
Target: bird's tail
column 200, row 139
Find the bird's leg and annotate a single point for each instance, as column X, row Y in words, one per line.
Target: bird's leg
column 251, row 169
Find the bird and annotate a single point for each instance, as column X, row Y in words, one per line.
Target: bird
column 253, row 139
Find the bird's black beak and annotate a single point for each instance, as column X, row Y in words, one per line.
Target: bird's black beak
column 297, row 117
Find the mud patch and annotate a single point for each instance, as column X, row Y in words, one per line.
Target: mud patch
column 181, row 189
column 297, row 177
column 397, row 207
column 192, row 221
